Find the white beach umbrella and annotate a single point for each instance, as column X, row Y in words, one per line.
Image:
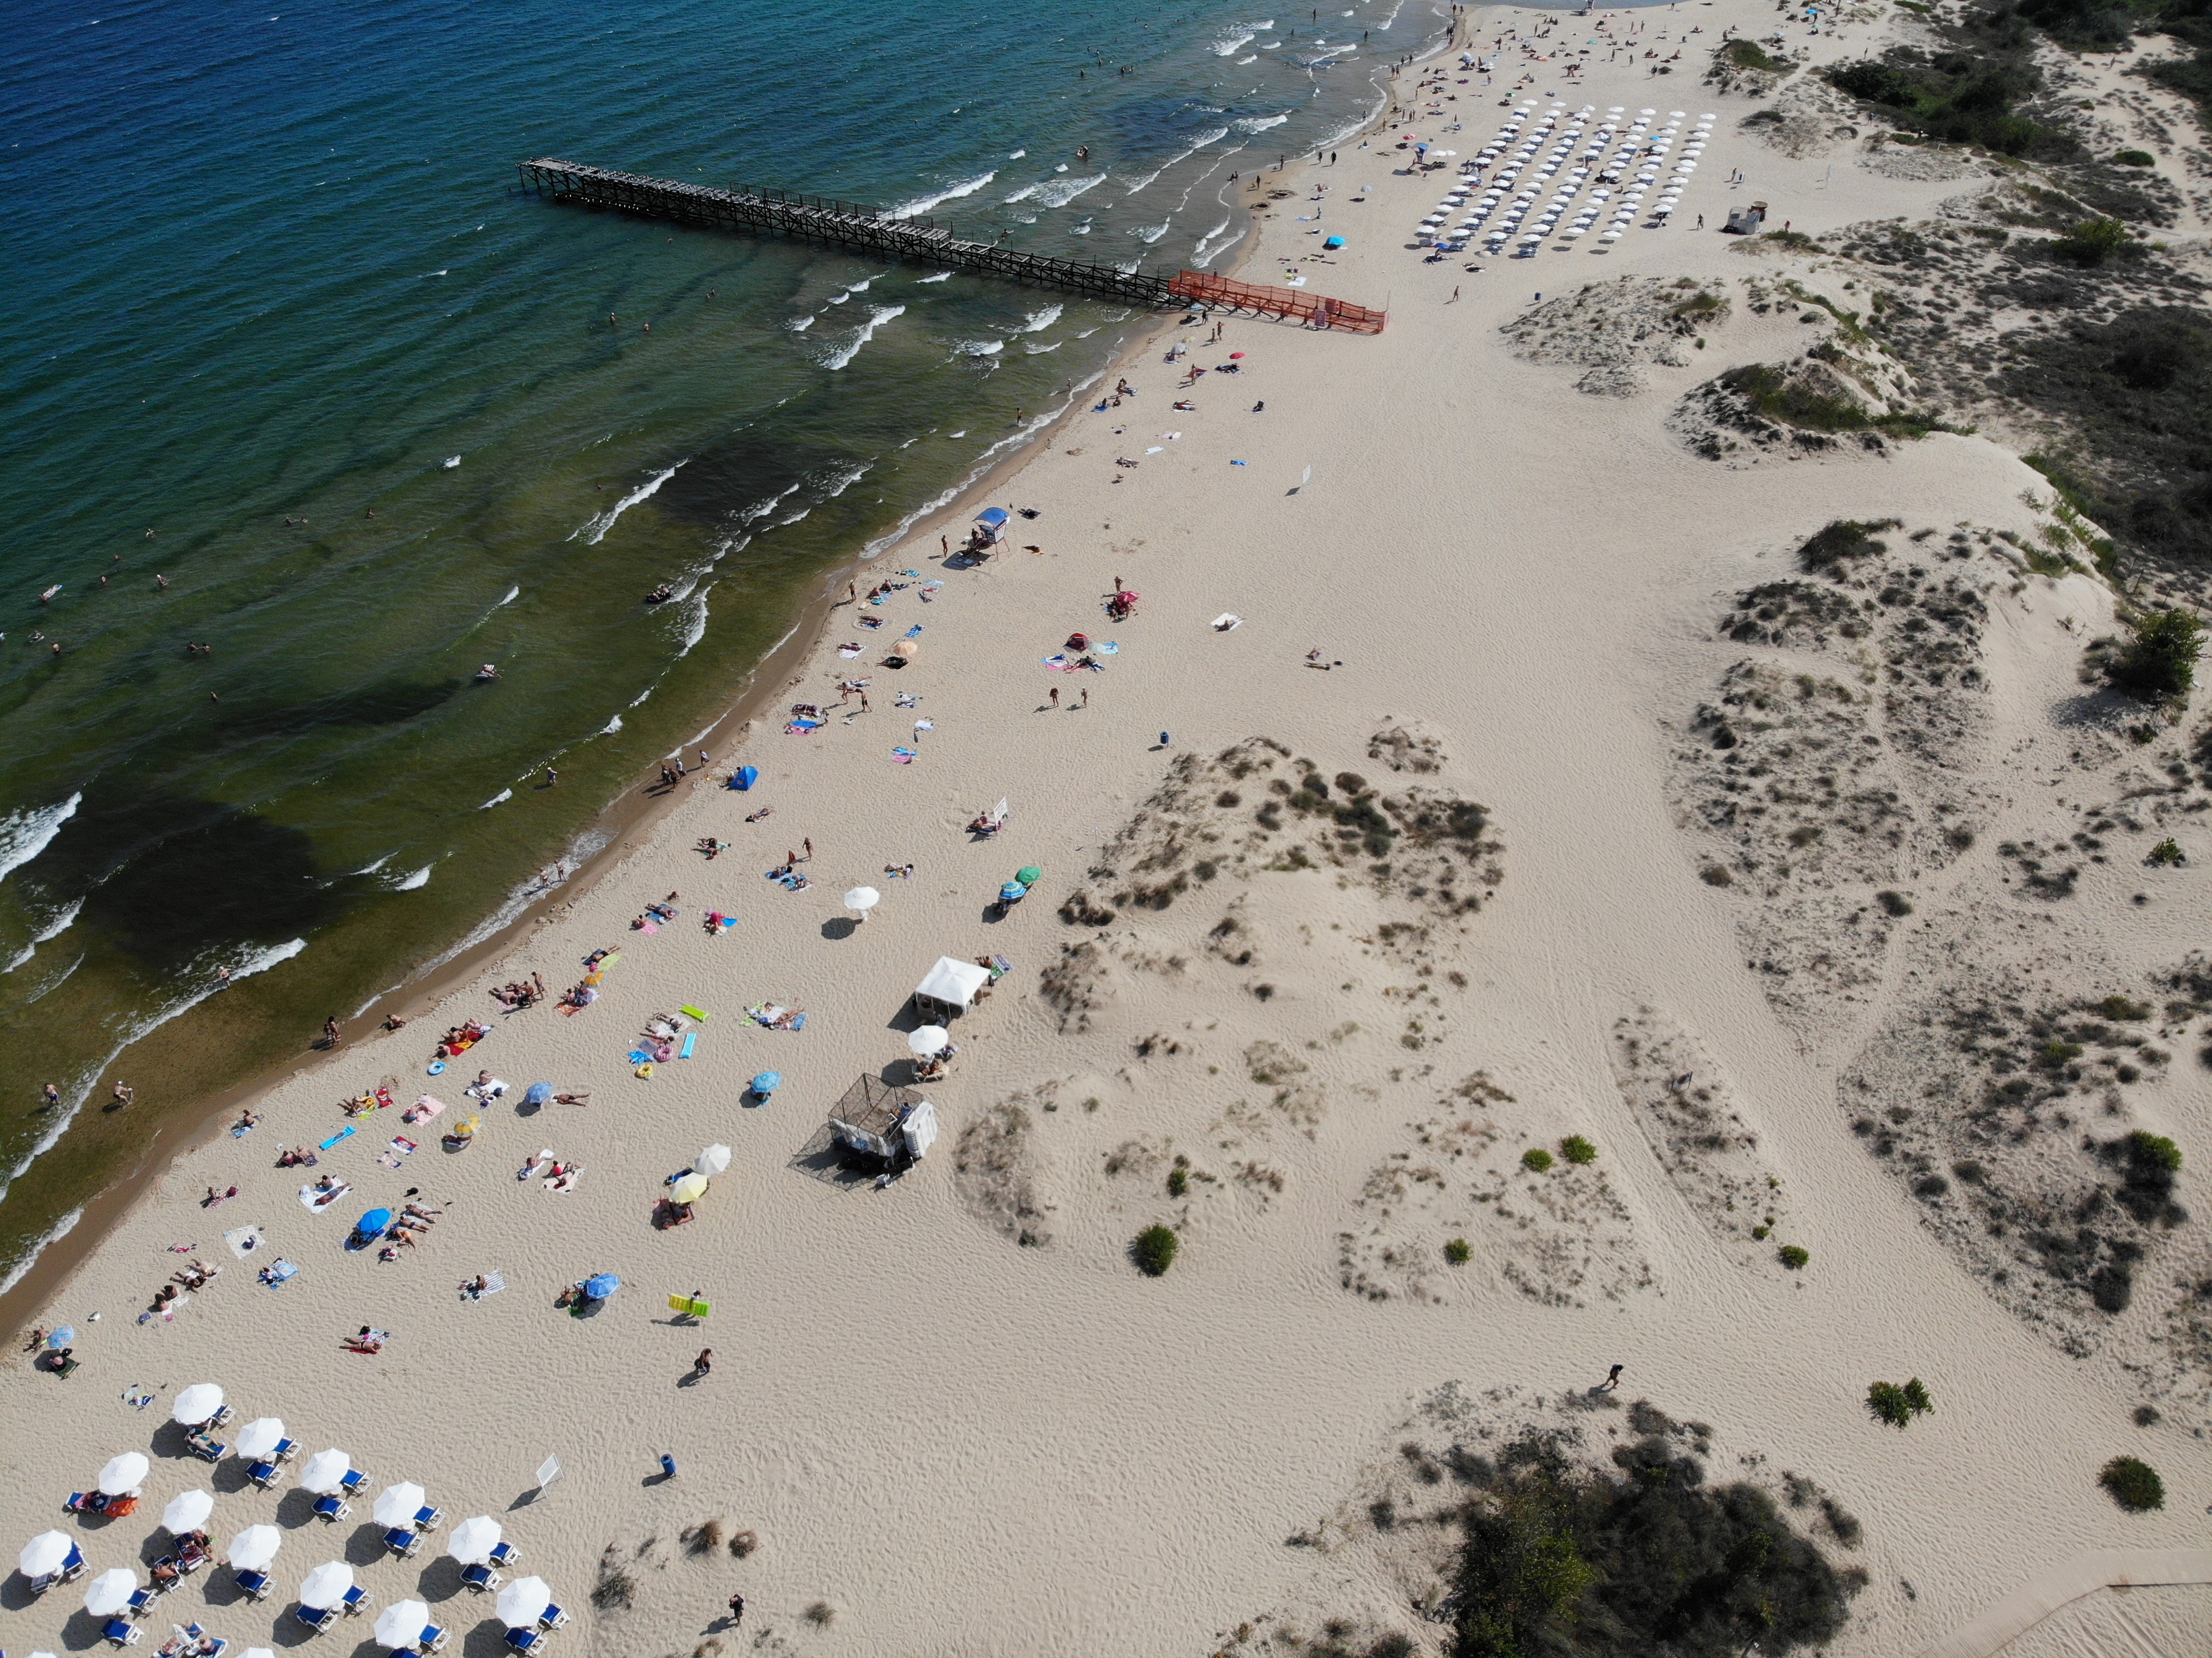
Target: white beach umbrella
column 523, row 1602
column 326, row 1585
column 863, row 899
column 187, row 1511
column 110, row 1592
column 401, row 1624
column 196, row 1403
column 123, row 1473
column 44, row 1554
column 397, row 1504
column 473, row 1541
column 250, row 1652
column 325, row 1470
column 261, row 1436
column 711, row 1161
column 252, row 1549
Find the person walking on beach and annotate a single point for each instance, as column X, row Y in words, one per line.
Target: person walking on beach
column 331, row 1037
column 704, row 1362
column 1611, row 1381
column 51, row 1095
column 807, row 842
column 551, row 777
column 737, row 1610
column 1056, row 696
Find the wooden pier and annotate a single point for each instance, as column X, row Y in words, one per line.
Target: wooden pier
column 919, row 240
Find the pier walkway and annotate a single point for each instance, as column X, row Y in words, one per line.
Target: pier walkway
column 919, row 240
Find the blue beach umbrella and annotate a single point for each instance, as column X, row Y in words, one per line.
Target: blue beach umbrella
column 374, row 1222
column 746, row 777
column 537, row 1094
column 768, row 1082
column 601, row 1286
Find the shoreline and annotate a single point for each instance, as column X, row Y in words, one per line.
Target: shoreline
column 628, row 819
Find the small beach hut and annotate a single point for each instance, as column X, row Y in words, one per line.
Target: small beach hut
column 1745, row 221
column 896, row 1124
column 992, row 521
column 949, row 988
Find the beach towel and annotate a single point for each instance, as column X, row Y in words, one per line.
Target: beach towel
column 345, row 1133
column 775, row 1017
column 318, row 1201
column 903, row 756
column 848, row 652
column 494, row 1283
column 244, row 1240
column 278, row 1273
column 648, row 927
column 914, row 630
column 138, row 1395
column 801, row 727
column 400, row 1147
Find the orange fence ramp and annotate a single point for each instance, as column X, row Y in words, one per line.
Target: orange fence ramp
column 1315, row 309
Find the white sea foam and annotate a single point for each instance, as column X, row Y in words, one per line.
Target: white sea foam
column 61, row 1228
column 1037, row 321
column 1253, row 59
column 452, row 461
column 840, row 298
column 801, row 325
column 595, row 529
column 839, row 355
column 1021, row 195
column 921, row 204
column 499, row 799
column 980, row 348
column 941, row 277
column 611, row 726
column 377, row 866
column 1039, row 350
column 1083, row 229
column 1059, row 192
column 1016, row 155
column 581, row 850
column 202, row 973
column 695, row 625
column 1259, row 123
column 421, row 877
column 52, row 930
column 1215, row 136
column 512, row 594
column 1200, row 254
column 1153, row 234
column 641, row 697
column 24, row 834
column 1224, row 47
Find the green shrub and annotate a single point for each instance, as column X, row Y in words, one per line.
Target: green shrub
column 2055, row 1054
column 1178, row 1181
column 1957, row 97
column 1897, row 1404
column 2093, row 240
column 1749, row 54
column 2155, row 1150
column 2134, row 1484
column 2159, row 664
column 2121, row 1008
column 1713, row 875
column 2167, row 851
column 1577, row 1150
column 1762, row 1233
column 1793, row 1255
column 1154, row 1250
column 2135, row 158
column 1536, row 1158
column 1459, row 1252
column 1843, row 539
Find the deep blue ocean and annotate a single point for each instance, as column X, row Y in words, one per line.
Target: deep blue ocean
column 306, row 413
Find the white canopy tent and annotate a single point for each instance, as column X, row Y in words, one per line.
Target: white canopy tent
column 950, row 987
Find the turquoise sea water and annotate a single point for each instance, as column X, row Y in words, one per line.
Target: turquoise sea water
column 277, row 302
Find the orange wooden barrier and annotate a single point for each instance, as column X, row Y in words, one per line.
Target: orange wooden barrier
column 1316, row 310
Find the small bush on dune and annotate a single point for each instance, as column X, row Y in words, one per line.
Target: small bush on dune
column 2134, row 158
column 2159, row 664
column 1459, row 1252
column 2095, row 239
column 1897, row 1403
column 1577, row 1150
column 1536, row 1158
column 2134, row 1484
column 1793, row 1255
column 1154, row 1250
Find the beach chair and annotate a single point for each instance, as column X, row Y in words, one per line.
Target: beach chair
column 40, row 1585
column 402, row 1542
column 552, row 1618
column 354, row 1482
column 333, row 1508
column 432, row 1637
column 504, row 1554
column 142, row 1600
column 264, row 1474
column 482, row 1579
column 285, row 1451
column 317, row 1618
column 121, row 1632
column 209, row 1450
column 356, row 1598
column 222, row 1414
column 525, row 1640
column 428, row 1519
column 85, row 1502
column 253, row 1585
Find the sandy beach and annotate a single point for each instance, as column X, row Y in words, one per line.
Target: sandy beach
column 1499, row 617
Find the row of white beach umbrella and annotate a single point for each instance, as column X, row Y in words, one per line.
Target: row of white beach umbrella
column 1636, row 141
